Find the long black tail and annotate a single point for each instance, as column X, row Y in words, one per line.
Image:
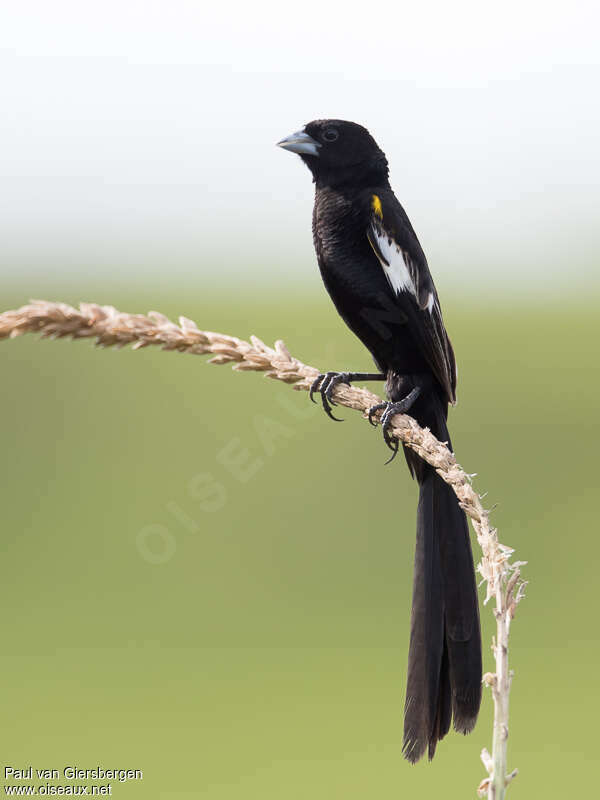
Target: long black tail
column 444, row 659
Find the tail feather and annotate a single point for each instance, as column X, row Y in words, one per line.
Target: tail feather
column 444, row 661
column 441, row 724
column 426, row 648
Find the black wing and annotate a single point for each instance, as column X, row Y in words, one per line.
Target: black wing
column 402, row 259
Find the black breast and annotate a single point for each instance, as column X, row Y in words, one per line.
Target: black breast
column 356, row 282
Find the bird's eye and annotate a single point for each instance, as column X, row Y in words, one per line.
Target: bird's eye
column 330, row 135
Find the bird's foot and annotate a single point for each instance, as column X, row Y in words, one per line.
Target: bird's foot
column 389, row 410
column 326, row 382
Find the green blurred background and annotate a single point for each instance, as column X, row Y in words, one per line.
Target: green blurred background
column 249, row 639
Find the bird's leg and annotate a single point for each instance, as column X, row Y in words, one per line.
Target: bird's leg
column 326, row 382
column 389, row 409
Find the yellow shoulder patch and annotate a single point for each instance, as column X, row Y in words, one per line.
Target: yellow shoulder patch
column 376, row 206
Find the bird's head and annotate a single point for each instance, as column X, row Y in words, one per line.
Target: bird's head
column 338, row 152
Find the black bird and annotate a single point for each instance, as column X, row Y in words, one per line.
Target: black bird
column 376, row 273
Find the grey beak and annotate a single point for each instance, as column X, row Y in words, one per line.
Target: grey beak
column 301, row 143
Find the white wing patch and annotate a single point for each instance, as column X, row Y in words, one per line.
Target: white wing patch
column 396, row 269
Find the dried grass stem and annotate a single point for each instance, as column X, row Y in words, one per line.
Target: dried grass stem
column 112, row 328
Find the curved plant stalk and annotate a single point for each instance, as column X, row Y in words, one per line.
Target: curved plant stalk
column 109, row 327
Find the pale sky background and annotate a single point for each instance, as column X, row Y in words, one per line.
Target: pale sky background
column 138, row 137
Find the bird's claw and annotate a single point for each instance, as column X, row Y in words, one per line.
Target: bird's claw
column 373, row 410
column 325, row 383
column 389, row 411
